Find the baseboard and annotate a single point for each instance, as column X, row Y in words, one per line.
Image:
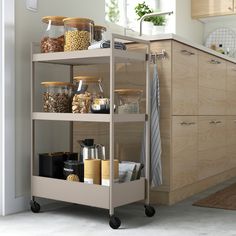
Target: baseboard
column 172, row 197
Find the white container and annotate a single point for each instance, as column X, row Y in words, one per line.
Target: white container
column 147, row 27
column 158, row 29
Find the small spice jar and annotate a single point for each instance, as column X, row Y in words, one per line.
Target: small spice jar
column 88, row 88
column 57, row 97
column 99, row 33
column 78, row 33
column 128, row 100
column 53, row 34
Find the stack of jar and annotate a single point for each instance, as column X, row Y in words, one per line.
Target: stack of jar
column 69, row 34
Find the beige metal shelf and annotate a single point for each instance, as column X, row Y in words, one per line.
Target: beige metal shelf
column 88, row 194
column 88, row 57
column 88, row 117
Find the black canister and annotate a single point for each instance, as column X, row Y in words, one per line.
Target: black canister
column 74, row 167
column 51, row 164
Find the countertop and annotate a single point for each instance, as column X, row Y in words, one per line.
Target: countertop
column 188, row 42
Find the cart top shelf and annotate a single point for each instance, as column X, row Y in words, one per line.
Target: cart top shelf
column 88, row 57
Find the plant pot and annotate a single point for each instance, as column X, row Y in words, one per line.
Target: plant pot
column 158, row 29
column 147, row 27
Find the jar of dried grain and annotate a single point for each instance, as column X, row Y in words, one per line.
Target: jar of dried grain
column 53, row 34
column 57, row 96
column 78, row 33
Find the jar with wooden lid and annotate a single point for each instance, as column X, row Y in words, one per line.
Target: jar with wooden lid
column 53, row 34
column 128, row 100
column 88, row 88
column 57, row 96
column 78, row 33
column 99, row 33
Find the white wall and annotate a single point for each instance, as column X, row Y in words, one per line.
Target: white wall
column 186, row 27
column 28, row 29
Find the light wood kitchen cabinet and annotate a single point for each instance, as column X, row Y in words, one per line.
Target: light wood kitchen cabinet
column 212, row 85
column 231, row 140
column 231, row 89
column 206, row 8
column 184, row 150
column 212, row 158
column 185, row 78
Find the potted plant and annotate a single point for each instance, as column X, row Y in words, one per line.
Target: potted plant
column 158, row 24
column 142, row 9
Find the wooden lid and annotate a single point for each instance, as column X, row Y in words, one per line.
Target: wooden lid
column 100, row 27
column 74, row 20
column 57, row 83
column 88, row 79
column 128, row 91
column 55, row 20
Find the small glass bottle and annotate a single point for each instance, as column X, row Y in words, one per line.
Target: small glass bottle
column 99, row 33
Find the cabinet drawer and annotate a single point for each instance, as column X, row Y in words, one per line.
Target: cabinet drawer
column 204, row 8
column 211, row 146
column 184, row 150
column 231, row 89
column 184, row 80
column 212, row 85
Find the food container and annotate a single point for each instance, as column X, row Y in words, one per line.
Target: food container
column 51, row 164
column 128, row 100
column 99, row 33
column 78, row 33
column 92, row 171
column 101, row 105
column 57, row 97
column 106, row 172
column 53, row 39
column 73, row 167
column 88, row 88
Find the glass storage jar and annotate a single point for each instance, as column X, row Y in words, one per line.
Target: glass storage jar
column 53, row 39
column 128, row 100
column 78, row 33
column 88, row 88
column 57, row 96
column 99, row 33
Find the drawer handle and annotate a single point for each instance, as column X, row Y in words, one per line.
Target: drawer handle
column 187, row 123
column 215, row 122
column 215, row 62
column 186, row 52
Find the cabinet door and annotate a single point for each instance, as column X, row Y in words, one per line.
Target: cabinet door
column 211, row 146
column 212, row 85
column 231, row 89
column 184, row 150
column 184, row 80
column 231, row 141
column 204, row 8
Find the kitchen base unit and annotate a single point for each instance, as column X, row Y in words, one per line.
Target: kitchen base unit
column 106, row 197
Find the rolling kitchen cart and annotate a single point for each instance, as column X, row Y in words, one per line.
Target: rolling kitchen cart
column 107, row 197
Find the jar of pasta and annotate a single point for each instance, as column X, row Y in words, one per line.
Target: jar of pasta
column 78, row 33
column 53, row 34
column 88, row 88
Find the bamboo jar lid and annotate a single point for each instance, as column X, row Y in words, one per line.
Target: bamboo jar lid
column 55, row 20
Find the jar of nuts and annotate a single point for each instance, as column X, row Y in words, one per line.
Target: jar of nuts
column 53, row 35
column 99, row 33
column 57, row 96
column 88, row 88
column 78, row 33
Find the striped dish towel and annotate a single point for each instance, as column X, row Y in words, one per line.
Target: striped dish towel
column 156, row 168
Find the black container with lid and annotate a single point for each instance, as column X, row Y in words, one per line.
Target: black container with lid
column 51, row 164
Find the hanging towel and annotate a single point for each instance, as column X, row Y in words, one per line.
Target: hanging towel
column 156, row 169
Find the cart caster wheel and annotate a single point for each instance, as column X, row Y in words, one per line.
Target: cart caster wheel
column 149, row 211
column 35, row 207
column 114, row 222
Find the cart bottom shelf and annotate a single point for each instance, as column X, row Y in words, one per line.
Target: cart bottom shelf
column 86, row 194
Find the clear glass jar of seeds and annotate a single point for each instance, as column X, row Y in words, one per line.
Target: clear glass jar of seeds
column 99, row 33
column 78, row 33
column 57, row 96
column 53, row 39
